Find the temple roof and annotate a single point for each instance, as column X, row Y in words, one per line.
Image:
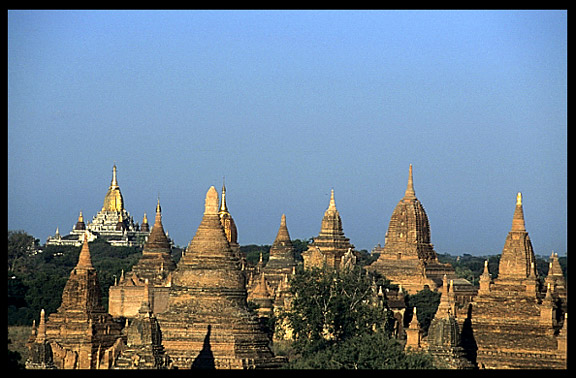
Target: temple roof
column 517, row 261
column 409, row 229
column 113, row 200
column 157, row 240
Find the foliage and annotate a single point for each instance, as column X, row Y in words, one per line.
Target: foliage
column 38, row 280
column 426, row 301
column 20, row 246
column 364, row 351
column 330, row 306
column 253, row 251
column 14, row 359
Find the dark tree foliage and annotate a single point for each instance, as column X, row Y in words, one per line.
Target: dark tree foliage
column 337, row 323
column 364, row 351
column 426, row 302
column 40, row 282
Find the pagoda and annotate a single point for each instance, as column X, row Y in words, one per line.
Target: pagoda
column 207, row 323
column 81, row 330
column 408, row 257
column 330, row 246
column 149, row 279
column 113, row 223
column 281, row 261
column 516, row 323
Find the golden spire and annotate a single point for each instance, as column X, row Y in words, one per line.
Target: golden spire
column 410, row 187
column 158, row 208
column 223, row 207
column 332, row 205
column 145, row 219
column 113, row 200
column 80, row 217
column 114, row 180
column 518, row 223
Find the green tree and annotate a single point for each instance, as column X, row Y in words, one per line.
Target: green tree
column 364, row 351
column 20, row 246
column 330, row 306
column 426, row 301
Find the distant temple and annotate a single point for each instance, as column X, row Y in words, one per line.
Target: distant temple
column 113, row 223
column 330, row 248
column 408, row 257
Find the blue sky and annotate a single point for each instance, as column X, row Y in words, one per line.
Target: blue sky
column 288, row 105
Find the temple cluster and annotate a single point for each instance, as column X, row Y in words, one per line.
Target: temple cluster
column 195, row 314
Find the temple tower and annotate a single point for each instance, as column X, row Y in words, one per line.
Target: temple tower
column 330, row 243
column 516, row 263
column 281, row 261
column 155, row 266
column 112, row 223
column 408, row 256
column 208, row 323
column 81, row 325
column 515, row 327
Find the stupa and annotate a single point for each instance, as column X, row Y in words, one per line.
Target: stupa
column 208, row 323
column 148, row 280
column 515, row 323
column 113, row 223
column 408, row 257
column 281, row 261
column 81, row 330
column 331, row 244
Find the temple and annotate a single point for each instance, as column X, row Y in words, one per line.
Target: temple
column 408, row 257
column 330, row 246
column 112, row 223
column 207, row 322
column 518, row 324
column 81, row 332
column 149, row 279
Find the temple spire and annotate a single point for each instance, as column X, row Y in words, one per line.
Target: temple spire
column 84, row 260
column 410, row 187
column 223, row 206
column 114, row 180
column 518, row 223
column 332, row 205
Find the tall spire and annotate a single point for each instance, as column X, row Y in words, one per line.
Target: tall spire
column 114, row 180
column 332, row 205
column 223, row 207
column 410, row 187
column 84, row 260
column 518, row 223
column 283, row 235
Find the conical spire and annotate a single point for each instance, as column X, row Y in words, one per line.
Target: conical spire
column 210, row 238
column 332, row 205
column 410, row 194
column 41, row 335
column 157, row 240
column 518, row 223
column 283, row 235
column 84, row 260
